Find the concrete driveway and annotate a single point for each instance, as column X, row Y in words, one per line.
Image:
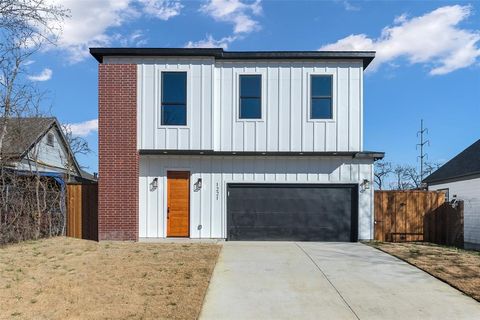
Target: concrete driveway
column 305, row 280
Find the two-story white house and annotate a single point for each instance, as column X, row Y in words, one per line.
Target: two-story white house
column 206, row 143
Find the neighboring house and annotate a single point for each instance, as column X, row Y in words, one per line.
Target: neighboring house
column 38, row 144
column 459, row 178
column 205, row 143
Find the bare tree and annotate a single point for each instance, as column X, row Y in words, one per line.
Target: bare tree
column 413, row 177
column 25, row 27
column 382, row 170
column 29, row 201
column 430, row 167
column 77, row 144
column 402, row 181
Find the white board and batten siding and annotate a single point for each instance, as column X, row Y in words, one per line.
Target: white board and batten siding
column 212, row 105
column 286, row 123
column 467, row 190
column 208, row 205
column 198, row 133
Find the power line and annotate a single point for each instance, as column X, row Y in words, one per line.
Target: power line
column 421, row 134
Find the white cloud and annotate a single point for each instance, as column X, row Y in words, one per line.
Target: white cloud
column 162, row 9
column 434, row 39
column 85, row 128
column 88, row 24
column 350, row 6
column 45, row 75
column 236, row 12
column 210, row 42
column 92, row 21
column 135, row 39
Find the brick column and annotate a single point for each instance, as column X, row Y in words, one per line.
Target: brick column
column 118, row 155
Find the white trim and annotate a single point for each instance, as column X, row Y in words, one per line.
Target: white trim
column 140, row 112
column 158, row 97
column 236, row 82
column 309, row 97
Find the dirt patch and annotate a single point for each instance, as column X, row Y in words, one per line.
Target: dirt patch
column 65, row 278
column 459, row 268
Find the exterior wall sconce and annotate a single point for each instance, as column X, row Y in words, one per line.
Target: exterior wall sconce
column 198, row 184
column 154, row 184
column 365, row 184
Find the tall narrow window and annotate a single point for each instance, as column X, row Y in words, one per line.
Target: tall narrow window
column 50, row 139
column 174, row 98
column 250, row 96
column 321, row 97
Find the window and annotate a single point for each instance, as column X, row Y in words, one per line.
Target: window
column 174, row 98
column 50, row 139
column 250, row 96
column 321, row 97
column 447, row 194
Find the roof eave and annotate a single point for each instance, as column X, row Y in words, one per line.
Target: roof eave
column 351, row 154
column 449, row 179
column 219, row 53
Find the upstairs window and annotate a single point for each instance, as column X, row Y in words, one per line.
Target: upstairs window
column 321, row 97
column 50, row 139
column 174, row 98
column 250, row 96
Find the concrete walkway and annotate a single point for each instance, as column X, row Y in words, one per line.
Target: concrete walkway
column 305, row 280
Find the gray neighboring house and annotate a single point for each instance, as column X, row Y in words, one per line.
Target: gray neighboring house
column 459, row 178
column 38, row 144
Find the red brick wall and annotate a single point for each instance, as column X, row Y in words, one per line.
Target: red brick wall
column 118, row 155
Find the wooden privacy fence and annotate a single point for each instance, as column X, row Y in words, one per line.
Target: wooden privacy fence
column 444, row 225
column 399, row 214
column 82, row 211
column 417, row 216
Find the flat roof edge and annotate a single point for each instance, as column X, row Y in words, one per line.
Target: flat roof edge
column 219, row 53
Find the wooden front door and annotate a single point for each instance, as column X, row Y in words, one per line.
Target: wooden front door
column 178, row 203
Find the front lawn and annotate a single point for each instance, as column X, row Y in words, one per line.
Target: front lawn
column 65, row 278
column 459, row 268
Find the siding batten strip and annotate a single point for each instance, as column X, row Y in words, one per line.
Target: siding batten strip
column 349, row 142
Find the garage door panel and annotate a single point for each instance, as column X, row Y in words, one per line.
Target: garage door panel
column 300, row 219
column 288, row 234
column 291, row 212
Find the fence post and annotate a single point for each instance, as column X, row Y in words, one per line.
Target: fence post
column 82, row 211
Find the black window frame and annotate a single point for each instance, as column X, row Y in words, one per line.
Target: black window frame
column 162, row 103
column 240, row 97
column 312, row 97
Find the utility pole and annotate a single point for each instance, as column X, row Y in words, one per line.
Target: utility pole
column 421, row 134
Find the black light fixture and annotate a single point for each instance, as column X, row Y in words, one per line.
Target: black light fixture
column 365, row 184
column 154, row 184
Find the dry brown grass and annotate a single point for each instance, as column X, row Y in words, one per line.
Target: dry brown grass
column 65, row 278
column 459, row 268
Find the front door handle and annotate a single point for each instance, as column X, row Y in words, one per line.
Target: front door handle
column 168, row 212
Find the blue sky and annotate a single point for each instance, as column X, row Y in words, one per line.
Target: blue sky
column 427, row 65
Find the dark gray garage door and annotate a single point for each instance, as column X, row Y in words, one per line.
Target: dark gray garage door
column 292, row 212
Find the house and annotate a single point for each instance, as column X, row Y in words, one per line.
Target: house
column 37, row 144
column 459, row 178
column 206, row 143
